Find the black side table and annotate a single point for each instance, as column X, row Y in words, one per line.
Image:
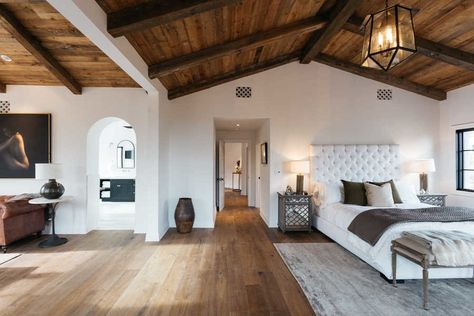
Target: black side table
column 53, row 240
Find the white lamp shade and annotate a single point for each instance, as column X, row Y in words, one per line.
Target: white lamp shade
column 46, row 171
column 299, row 166
column 422, row 166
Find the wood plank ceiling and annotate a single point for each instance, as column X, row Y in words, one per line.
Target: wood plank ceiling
column 192, row 45
column 46, row 49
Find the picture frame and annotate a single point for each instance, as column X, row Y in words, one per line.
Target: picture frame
column 25, row 140
column 264, row 153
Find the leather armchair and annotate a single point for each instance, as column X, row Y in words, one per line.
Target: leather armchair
column 19, row 219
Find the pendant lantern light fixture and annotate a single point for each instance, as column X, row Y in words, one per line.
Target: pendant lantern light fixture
column 389, row 37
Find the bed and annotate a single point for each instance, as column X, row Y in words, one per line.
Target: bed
column 330, row 164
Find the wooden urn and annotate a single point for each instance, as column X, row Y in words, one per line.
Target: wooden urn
column 184, row 215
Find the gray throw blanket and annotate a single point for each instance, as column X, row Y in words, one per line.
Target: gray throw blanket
column 450, row 248
column 370, row 225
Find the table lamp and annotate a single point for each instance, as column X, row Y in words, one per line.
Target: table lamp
column 300, row 167
column 49, row 171
column 423, row 167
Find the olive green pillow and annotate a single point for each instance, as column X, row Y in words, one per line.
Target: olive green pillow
column 354, row 193
column 395, row 194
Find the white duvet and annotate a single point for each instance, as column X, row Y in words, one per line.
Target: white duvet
column 342, row 215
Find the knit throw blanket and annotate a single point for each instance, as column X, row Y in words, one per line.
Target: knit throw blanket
column 371, row 224
column 450, row 248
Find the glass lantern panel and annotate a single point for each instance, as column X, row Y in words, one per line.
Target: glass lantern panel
column 405, row 27
column 384, row 32
column 384, row 58
column 400, row 56
column 365, row 47
column 370, row 63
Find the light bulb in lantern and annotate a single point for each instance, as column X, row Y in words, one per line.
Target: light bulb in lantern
column 389, row 36
column 380, row 40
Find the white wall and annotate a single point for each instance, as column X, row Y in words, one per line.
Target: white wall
column 232, row 153
column 264, row 179
column 306, row 104
column 72, row 116
column 110, row 137
column 166, row 216
column 457, row 112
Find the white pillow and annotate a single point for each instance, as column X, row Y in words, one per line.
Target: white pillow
column 379, row 195
column 407, row 192
column 325, row 193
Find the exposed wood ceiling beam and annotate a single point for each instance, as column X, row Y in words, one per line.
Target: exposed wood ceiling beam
column 338, row 17
column 156, row 13
column 427, row 48
column 232, row 75
column 30, row 43
column 382, row 76
column 445, row 53
column 3, row 88
column 241, row 44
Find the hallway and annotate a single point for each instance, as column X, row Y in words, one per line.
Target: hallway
column 233, row 200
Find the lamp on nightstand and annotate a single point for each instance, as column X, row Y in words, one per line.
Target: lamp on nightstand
column 423, row 167
column 300, row 167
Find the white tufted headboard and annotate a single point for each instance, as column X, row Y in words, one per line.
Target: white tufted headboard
column 332, row 163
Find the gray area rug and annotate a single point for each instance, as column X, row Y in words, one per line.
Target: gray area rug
column 338, row 283
column 5, row 257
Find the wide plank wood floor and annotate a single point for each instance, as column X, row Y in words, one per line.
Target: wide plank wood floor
column 230, row 270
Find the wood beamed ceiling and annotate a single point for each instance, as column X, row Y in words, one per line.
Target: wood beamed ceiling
column 46, row 49
column 191, row 45
column 10, row 23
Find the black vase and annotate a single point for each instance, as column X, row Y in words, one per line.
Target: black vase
column 184, row 215
column 52, row 190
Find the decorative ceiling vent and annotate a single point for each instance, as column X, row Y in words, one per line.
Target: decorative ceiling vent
column 243, row 92
column 4, row 107
column 384, row 94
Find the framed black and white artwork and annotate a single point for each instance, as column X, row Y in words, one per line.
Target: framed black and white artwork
column 25, row 139
column 264, row 153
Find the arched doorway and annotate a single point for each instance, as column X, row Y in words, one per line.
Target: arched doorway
column 111, row 173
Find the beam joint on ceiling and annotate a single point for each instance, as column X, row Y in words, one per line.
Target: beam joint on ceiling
column 382, row 76
column 233, row 75
column 31, row 44
column 426, row 47
column 337, row 18
column 245, row 43
column 155, row 13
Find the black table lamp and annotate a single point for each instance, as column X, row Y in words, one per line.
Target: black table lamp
column 49, row 171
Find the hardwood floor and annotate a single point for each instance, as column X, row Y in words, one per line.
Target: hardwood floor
column 230, row 270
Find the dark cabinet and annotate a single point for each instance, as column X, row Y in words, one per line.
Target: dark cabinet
column 117, row 190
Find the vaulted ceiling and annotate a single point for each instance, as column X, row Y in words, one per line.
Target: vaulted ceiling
column 192, row 45
column 48, row 50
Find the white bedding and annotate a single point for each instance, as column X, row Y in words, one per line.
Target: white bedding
column 341, row 215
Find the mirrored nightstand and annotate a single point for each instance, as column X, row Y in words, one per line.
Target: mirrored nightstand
column 433, row 199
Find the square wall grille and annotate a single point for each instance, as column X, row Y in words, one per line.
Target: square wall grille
column 4, row 107
column 243, row 92
column 384, row 94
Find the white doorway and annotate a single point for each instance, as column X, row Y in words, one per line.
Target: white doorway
column 233, row 166
column 111, row 173
column 236, row 140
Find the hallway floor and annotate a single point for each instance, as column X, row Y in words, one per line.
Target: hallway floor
column 233, row 269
